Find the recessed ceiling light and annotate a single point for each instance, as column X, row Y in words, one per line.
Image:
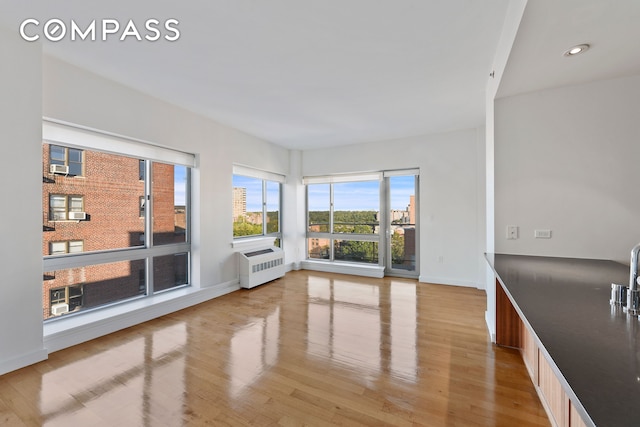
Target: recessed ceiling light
column 577, row 50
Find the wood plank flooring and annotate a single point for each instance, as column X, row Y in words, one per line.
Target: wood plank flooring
column 308, row 349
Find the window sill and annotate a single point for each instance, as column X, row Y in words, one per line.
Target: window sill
column 253, row 243
column 71, row 330
column 356, row 269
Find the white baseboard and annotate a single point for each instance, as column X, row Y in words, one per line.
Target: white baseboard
column 344, row 268
column 448, row 281
column 63, row 333
column 292, row 266
column 22, row 361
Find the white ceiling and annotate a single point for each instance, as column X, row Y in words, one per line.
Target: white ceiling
column 550, row 27
column 304, row 74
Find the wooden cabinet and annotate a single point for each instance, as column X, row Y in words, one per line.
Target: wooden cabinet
column 575, row 420
column 556, row 402
column 551, row 391
column 508, row 323
column 529, row 352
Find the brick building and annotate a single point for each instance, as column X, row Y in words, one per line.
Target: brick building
column 95, row 201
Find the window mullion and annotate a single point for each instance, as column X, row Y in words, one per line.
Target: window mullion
column 187, row 211
column 384, row 245
column 279, row 225
column 148, row 277
column 148, row 212
column 264, row 207
column 331, row 241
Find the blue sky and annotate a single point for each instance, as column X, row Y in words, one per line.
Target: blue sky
column 254, row 193
column 347, row 196
column 401, row 188
column 180, row 185
column 361, row 196
column 356, row 196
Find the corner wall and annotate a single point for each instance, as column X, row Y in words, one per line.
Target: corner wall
column 21, row 226
column 452, row 224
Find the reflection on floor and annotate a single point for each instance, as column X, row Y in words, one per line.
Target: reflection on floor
column 308, row 349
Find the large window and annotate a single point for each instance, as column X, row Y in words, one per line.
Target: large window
column 344, row 219
column 117, row 230
column 365, row 218
column 257, row 203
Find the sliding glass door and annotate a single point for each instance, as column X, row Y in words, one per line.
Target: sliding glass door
column 401, row 255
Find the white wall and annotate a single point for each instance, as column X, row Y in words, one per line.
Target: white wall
column 568, row 159
column 293, row 215
column 451, row 195
column 21, row 225
column 41, row 86
column 451, row 192
column 507, row 37
column 74, row 95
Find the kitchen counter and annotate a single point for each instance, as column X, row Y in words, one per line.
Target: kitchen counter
column 593, row 347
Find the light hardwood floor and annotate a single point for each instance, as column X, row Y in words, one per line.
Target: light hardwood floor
column 308, row 349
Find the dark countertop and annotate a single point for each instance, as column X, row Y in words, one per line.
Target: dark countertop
column 594, row 346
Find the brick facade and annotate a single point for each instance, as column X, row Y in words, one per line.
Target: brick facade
column 111, row 189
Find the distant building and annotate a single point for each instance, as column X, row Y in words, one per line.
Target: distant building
column 412, row 209
column 410, row 248
column 319, row 248
column 254, row 217
column 239, row 203
column 399, row 216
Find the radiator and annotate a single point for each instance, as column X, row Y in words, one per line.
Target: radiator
column 261, row 266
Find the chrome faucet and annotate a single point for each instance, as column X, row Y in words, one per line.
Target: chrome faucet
column 633, row 294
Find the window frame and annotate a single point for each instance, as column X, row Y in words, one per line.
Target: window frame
column 313, row 239
column 67, row 246
column 66, row 299
column 66, row 161
column 331, row 235
column 265, row 178
column 67, row 205
column 64, row 135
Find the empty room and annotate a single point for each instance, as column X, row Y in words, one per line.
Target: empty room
column 408, row 213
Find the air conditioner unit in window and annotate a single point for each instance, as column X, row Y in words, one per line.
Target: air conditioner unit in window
column 60, row 169
column 77, row 215
column 58, row 309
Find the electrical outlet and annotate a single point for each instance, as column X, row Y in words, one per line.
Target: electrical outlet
column 542, row 234
column 512, row 232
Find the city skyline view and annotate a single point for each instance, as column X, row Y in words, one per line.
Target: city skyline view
column 348, row 196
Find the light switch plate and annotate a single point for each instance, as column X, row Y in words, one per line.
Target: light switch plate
column 542, row 234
